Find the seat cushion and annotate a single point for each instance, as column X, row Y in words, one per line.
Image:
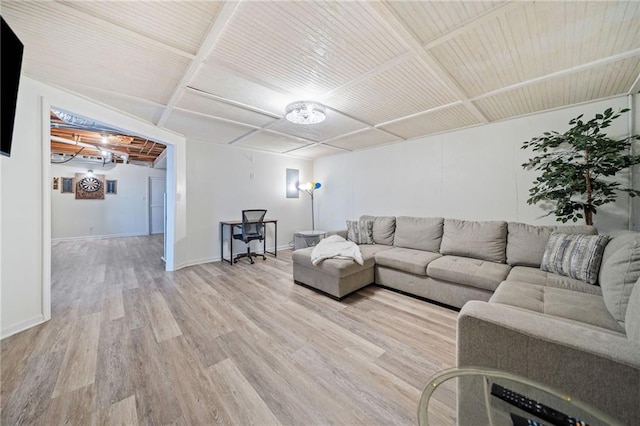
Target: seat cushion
column 576, row 306
column 540, row 277
column 479, row 240
column 420, row 233
column 334, row 267
column 407, row 260
column 468, row 271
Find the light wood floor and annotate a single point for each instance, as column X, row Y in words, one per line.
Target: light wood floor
column 131, row 344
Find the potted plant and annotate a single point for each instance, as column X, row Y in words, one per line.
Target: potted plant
column 578, row 167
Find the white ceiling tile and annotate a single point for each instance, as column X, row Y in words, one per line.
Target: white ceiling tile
column 102, row 57
column 178, row 24
column 454, row 117
column 227, row 84
column 610, row 80
column 204, row 129
column 402, row 90
column 536, row 39
column 361, row 140
column 315, row 151
column 302, row 47
column 429, row 19
column 272, row 142
column 203, row 104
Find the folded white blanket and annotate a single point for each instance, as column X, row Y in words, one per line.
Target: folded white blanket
column 336, row 247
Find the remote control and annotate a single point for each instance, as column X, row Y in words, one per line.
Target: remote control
column 521, row 421
column 533, row 407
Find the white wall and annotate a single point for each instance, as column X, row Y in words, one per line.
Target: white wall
column 220, row 186
column 122, row 214
column 471, row 174
column 25, row 225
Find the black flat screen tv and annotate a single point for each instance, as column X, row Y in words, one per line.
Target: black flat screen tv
column 11, row 64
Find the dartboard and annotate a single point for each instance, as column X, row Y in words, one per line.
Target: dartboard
column 90, row 184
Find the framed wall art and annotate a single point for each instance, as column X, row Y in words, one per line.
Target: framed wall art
column 67, row 185
column 112, row 186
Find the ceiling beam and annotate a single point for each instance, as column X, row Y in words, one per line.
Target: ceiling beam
column 219, row 23
column 388, row 18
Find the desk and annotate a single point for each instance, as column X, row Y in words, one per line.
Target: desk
column 231, row 223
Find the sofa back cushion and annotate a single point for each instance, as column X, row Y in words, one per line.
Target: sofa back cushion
column 478, row 240
column 619, row 271
column 526, row 243
column 384, row 228
column 632, row 317
column 420, row 233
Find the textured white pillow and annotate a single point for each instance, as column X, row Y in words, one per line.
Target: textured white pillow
column 360, row 231
column 574, row 255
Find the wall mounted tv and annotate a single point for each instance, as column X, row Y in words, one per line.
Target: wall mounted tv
column 11, row 60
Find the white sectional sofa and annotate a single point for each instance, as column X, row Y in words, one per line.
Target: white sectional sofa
column 580, row 337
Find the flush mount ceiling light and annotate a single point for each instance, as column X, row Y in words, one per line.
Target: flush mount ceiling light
column 305, row 112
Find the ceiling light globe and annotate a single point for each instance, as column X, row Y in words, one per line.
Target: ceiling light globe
column 305, row 112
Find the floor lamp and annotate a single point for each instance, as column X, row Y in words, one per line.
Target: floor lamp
column 310, row 188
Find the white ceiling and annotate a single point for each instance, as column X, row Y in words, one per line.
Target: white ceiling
column 388, row 71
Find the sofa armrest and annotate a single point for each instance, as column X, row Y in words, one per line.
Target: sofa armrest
column 341, row 232
column 600, row 368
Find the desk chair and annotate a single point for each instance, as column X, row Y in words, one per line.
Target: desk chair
column 252, row 228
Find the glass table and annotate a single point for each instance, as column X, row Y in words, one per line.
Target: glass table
column 474, row 396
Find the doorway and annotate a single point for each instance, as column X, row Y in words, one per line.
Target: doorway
column 157, row 209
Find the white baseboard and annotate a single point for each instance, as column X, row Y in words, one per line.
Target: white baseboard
column 21, row 326
column 218, row 259
column 91, row 237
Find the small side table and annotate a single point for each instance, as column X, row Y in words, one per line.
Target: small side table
column 303, row 239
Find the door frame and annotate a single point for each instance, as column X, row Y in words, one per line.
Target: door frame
column 89, row 108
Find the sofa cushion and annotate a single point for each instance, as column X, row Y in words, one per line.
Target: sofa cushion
column 574, row 255
column 334, row 267
column 537, row 276
column 468, row 271
column 619, row 272
column 526, row 243
column 384, row 228
column 632, row 318
column 421, row 233
column 406, row 260
column 480, row 240
column 572, row 305
column 360, row 231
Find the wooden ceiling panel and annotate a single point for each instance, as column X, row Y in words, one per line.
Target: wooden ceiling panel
column 537, row 39
column 272, row 142
column 428, row 20
column 166, row 23
column 405, row 89
column 361, row 140
column 610, row 80
column 456, row 117
column 304, row 47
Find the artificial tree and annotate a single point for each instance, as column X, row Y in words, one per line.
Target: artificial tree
column 578, row 167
